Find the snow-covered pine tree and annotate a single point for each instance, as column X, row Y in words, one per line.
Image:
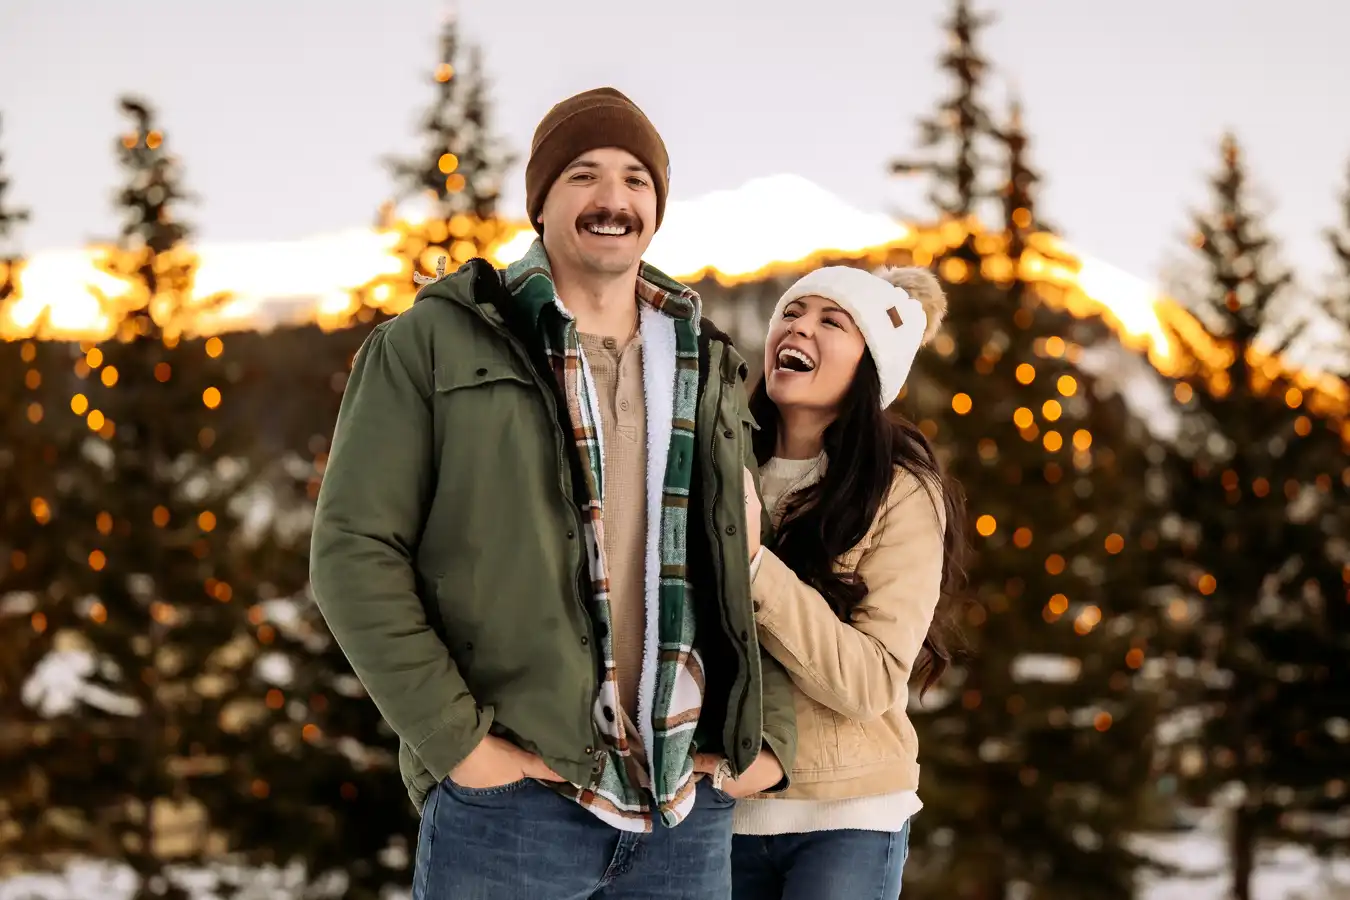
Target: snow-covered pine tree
column 1254, row 547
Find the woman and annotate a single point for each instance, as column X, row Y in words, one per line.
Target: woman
column 868, row 534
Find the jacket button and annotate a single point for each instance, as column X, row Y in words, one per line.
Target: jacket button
column 745, row 743
column 571, row 535
column 468, row 645
column 728, row 433
column 589, row 751
column 731, row 529
column 482, row 372
column 745, row 635
column 585, row 640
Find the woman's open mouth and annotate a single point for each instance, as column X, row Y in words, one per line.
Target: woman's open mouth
column 790, row 359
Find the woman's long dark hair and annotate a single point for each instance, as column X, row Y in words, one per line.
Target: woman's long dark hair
column 862, row 446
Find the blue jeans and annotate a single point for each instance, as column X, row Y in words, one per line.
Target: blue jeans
column 525, row 841
column 822, row 865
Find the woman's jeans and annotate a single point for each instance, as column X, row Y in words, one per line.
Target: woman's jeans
column 822, row 865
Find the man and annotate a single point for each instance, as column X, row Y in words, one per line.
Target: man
column 531, row 543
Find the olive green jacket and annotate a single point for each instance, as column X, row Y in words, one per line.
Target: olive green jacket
column 448, row 556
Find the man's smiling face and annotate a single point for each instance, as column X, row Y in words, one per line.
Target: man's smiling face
column 598, row 216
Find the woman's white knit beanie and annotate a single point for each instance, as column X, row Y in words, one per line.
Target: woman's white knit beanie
column 898, row 310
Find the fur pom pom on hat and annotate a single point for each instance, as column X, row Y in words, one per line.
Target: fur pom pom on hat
column 898, row 310
column 923, row 286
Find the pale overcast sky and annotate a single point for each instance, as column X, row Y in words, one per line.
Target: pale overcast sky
column 282, row 109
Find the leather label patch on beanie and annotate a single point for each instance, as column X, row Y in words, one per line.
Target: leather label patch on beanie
column 895, row 317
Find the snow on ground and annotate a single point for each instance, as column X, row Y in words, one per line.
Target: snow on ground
column 1284, row 872
column 107, row 881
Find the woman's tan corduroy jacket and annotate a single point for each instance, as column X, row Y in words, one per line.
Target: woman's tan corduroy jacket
column 852, row 680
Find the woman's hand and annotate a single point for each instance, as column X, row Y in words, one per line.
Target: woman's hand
column 753, row 513
column 763, row 773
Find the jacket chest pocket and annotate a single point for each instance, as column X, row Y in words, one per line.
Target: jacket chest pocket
column 488, row 372
column 495, row 445
column 484, row 402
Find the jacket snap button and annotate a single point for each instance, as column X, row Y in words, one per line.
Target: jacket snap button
column 589, row 751
column 745, row 635
column 728, row 433
column 571, row 535
column 482, row 372
column 468, row 645
column 731, row 529
column 585, row 640
column 745, row 743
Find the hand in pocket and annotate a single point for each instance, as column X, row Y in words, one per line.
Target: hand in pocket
column 495, row 762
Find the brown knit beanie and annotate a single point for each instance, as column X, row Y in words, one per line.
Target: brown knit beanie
column 602, row 117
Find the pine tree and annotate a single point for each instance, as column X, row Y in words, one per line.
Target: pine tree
column 458, row 174
column 955, row 136
column 1035, row 749
column 10, row 219
column 26, row 562
column 1036, row 756
column 458, row 126
column 1255, row 549
column 151, row 762
column 16, row 385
